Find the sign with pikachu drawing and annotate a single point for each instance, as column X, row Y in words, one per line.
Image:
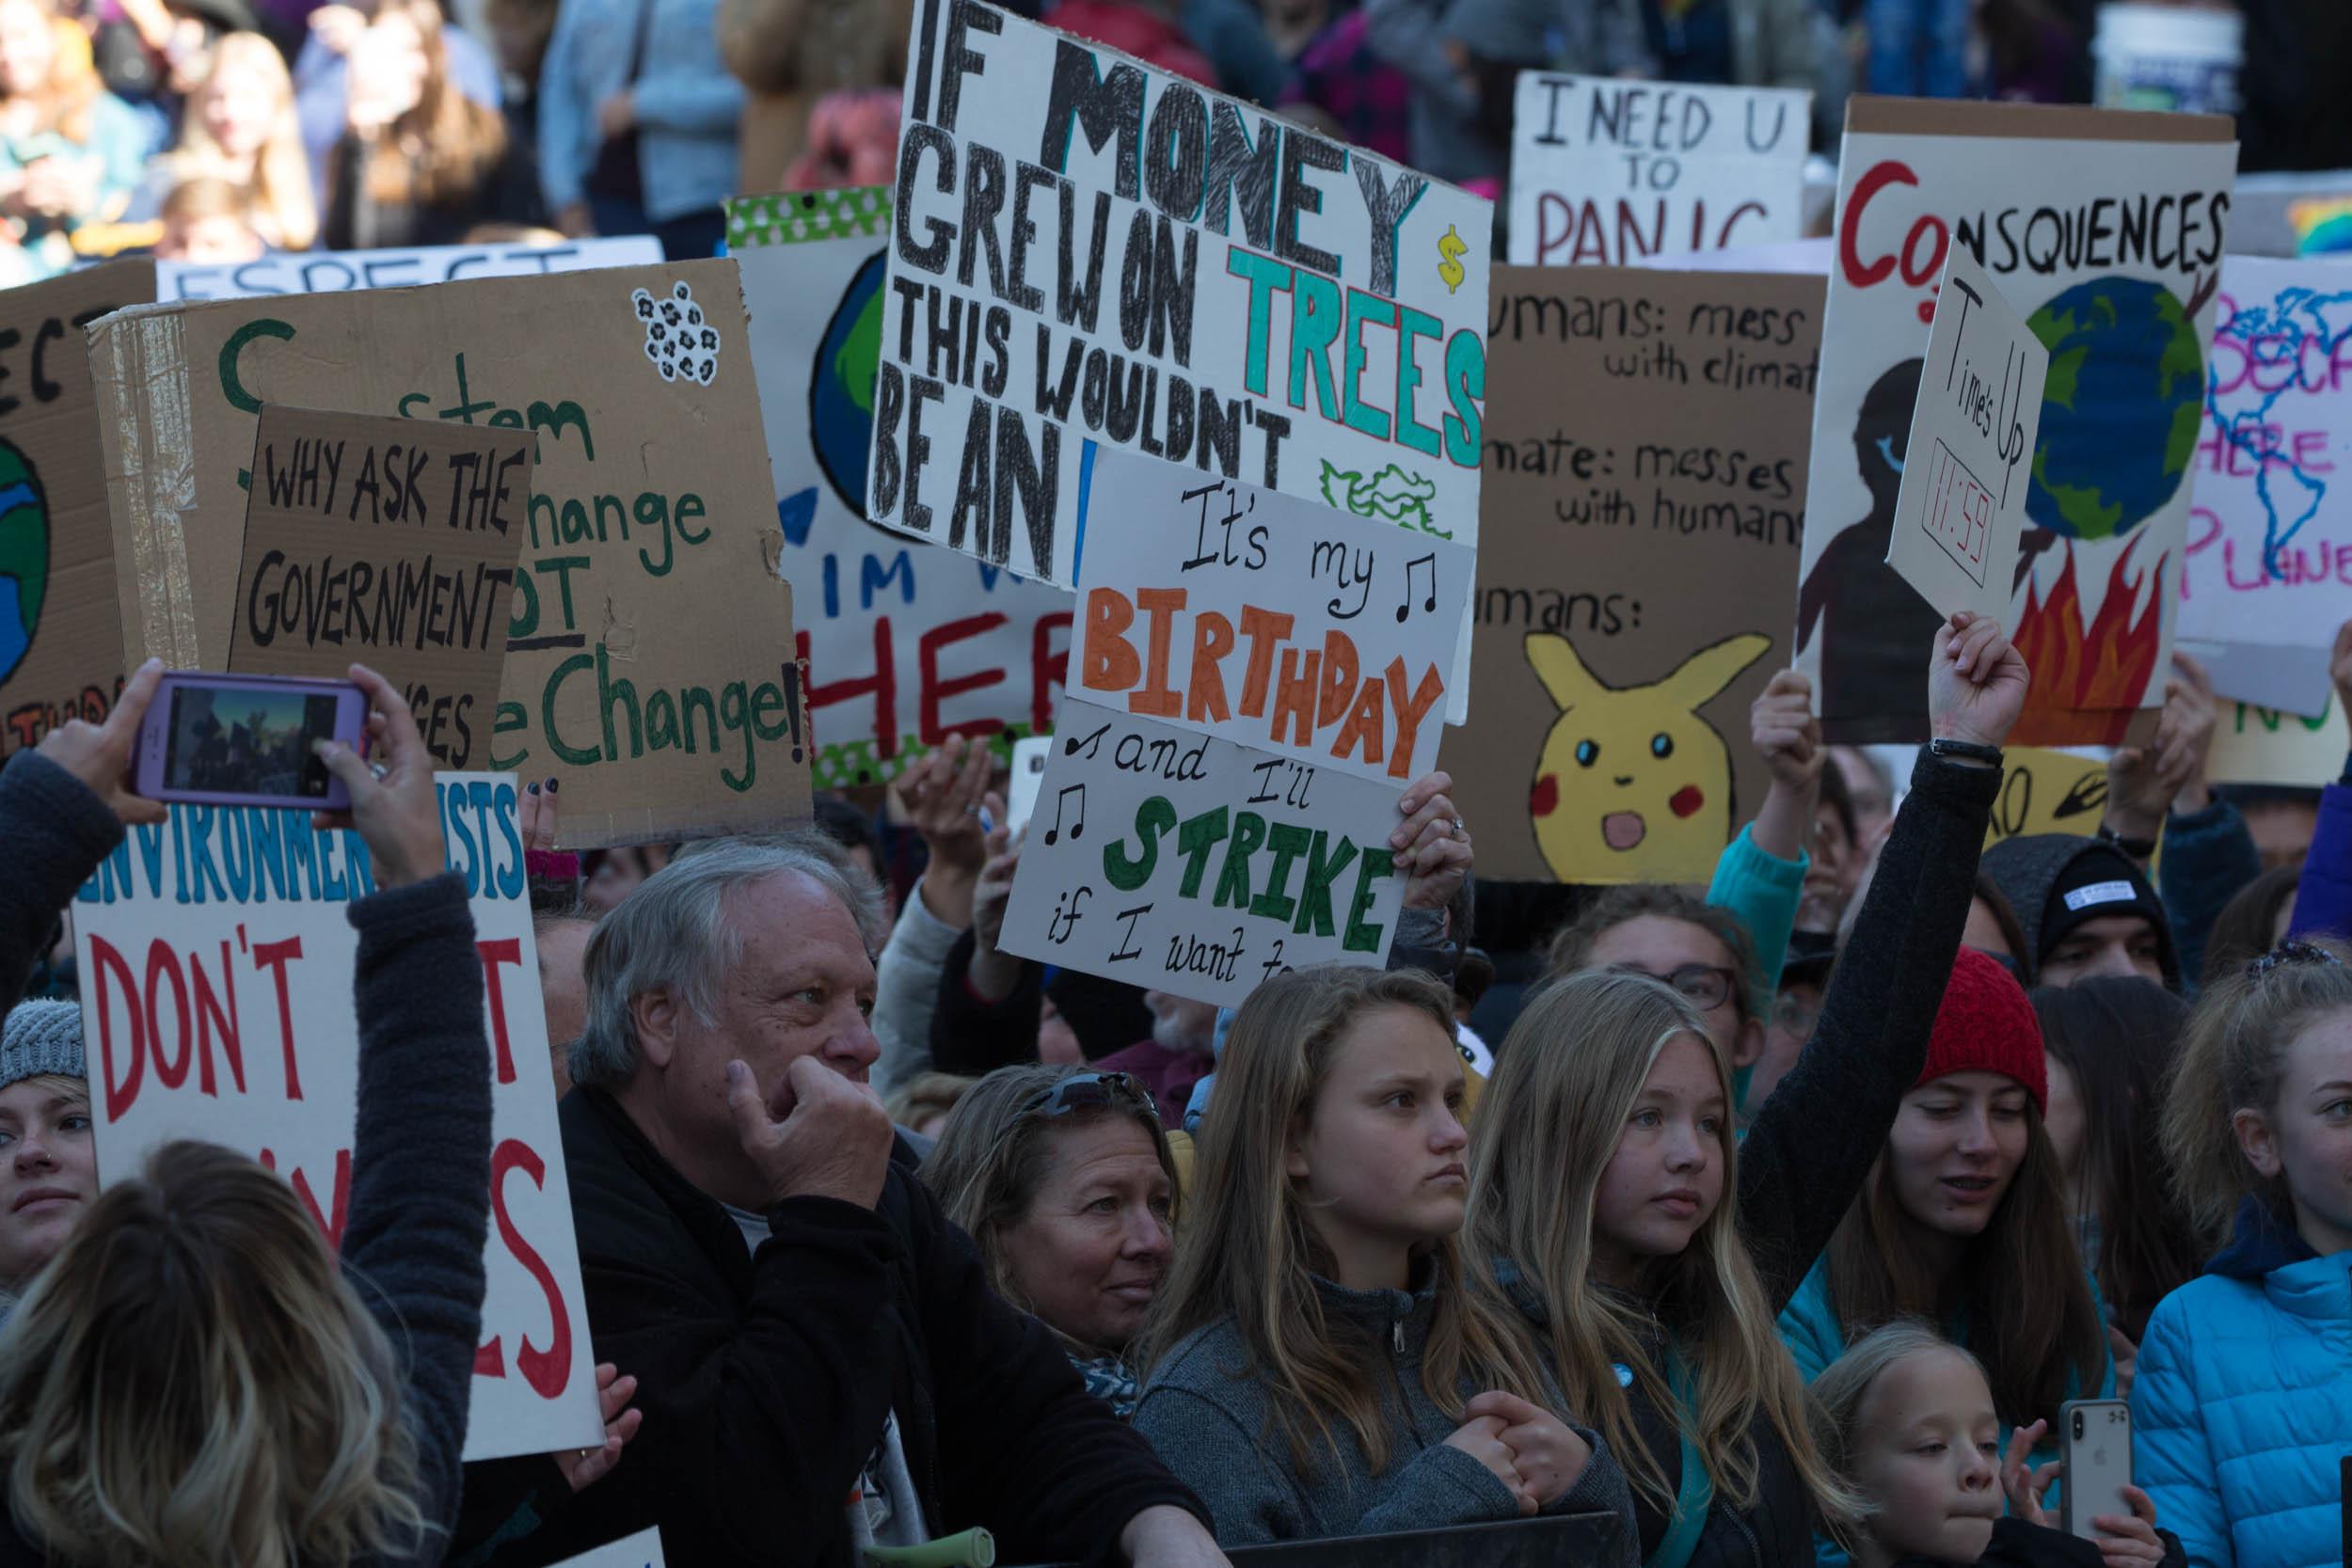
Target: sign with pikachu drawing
column 1639, row 530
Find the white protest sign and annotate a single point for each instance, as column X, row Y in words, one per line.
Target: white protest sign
column 218, row 970
column 1267, row 621
column 334, row 271
column 2106, row 230
column 1606, row 172
column 905, row 645
column 2269, row 567
column 1091, row 251
column 1962, row 509
column 642, row 1551
column 1176, row 862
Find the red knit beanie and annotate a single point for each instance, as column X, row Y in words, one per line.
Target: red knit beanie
column 1986, row 1024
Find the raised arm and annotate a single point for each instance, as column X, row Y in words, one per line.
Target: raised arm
column 62, row 809
column 420, row 1152
column 1812, row 1143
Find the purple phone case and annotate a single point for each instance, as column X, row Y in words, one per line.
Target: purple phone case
column 156, row 732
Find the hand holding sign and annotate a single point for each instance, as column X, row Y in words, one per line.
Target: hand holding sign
column 1969, row 462
column 1976, row 681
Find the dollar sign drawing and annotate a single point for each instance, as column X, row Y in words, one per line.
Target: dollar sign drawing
column 1451, row 248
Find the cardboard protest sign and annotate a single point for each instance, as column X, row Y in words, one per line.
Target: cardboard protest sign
column 1605, row 170
column 2046, row 791
column 2269, row 564
column 1260, row 678
column 1962, row 509
column 2104, row 229
column 906, row 645
column 1177, row 862
column 642, row 1551
column 61, row 630
column 390, row 542
column 2257, row 745
column 313, row 272
column 1645, row 475
column 1088, row 251
column 650, row 655
column 1278, row 625
column 218, row 970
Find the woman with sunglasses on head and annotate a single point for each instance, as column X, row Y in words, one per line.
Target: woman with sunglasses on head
column 1316, row 1366
column 1065, row 1181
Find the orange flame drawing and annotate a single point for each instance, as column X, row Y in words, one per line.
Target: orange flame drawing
column 2087, row 686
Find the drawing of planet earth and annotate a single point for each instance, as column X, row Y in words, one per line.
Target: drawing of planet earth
column 2121, row 412
column 841, row 388
column 23, row 556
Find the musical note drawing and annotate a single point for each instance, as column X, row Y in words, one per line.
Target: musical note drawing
column 1429, row 603
column 1091, row 743
column 1078, row 829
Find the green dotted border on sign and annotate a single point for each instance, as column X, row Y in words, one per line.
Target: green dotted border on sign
column 861, row 211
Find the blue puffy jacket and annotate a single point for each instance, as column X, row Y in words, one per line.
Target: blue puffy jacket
column 2323, row 904
column 2242, row 1405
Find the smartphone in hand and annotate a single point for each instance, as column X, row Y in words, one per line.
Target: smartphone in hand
column 247, row 740
column 2095, row 1440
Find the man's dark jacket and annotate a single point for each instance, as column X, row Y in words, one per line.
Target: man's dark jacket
column 765, row 1379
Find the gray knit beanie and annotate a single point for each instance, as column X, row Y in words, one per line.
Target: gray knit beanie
column 42, row 1037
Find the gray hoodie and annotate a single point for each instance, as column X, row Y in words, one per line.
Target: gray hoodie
column 1211, row 1422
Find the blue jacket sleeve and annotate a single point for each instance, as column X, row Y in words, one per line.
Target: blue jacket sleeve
column 2208, row 856
column 567, row 128
column 1763, row 891
column 2323, row 903
column 2170, row 1452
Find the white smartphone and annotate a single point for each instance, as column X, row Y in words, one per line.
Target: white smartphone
column 2095, row 1440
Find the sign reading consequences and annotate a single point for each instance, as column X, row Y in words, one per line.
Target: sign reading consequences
column 1962, row 506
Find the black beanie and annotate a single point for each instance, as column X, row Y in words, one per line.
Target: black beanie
column 2097, row 884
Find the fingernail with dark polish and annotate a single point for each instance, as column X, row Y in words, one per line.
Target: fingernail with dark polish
column 551, row 787
column 533, row 789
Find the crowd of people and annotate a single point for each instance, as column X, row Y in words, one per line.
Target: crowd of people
column 210, row 130
column 1777, row 1225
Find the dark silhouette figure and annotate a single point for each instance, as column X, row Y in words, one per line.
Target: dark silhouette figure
column 1873, row 623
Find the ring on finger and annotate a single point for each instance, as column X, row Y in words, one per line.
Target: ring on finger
column 1459, row 830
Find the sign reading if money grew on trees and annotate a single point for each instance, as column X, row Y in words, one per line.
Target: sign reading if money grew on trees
column 1086, row 251
column 1255, row 683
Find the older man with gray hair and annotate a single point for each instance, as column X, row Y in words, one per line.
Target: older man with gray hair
column 820, row 1362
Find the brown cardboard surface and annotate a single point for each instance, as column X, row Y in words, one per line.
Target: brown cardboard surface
column 1645, row 487
column 69, row 665
column 650, row 655
column 390, row 542
column 1936, row 116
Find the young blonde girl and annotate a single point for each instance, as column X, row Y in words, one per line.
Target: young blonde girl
column 1642, row 1251
column 1316, row 1366
column 241, row 127
column 1906, row 1420
column 2243, row 1401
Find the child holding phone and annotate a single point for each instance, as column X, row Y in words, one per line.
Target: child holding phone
column 1906, row 1420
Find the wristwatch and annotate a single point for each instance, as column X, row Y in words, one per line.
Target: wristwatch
column 2137, row 849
